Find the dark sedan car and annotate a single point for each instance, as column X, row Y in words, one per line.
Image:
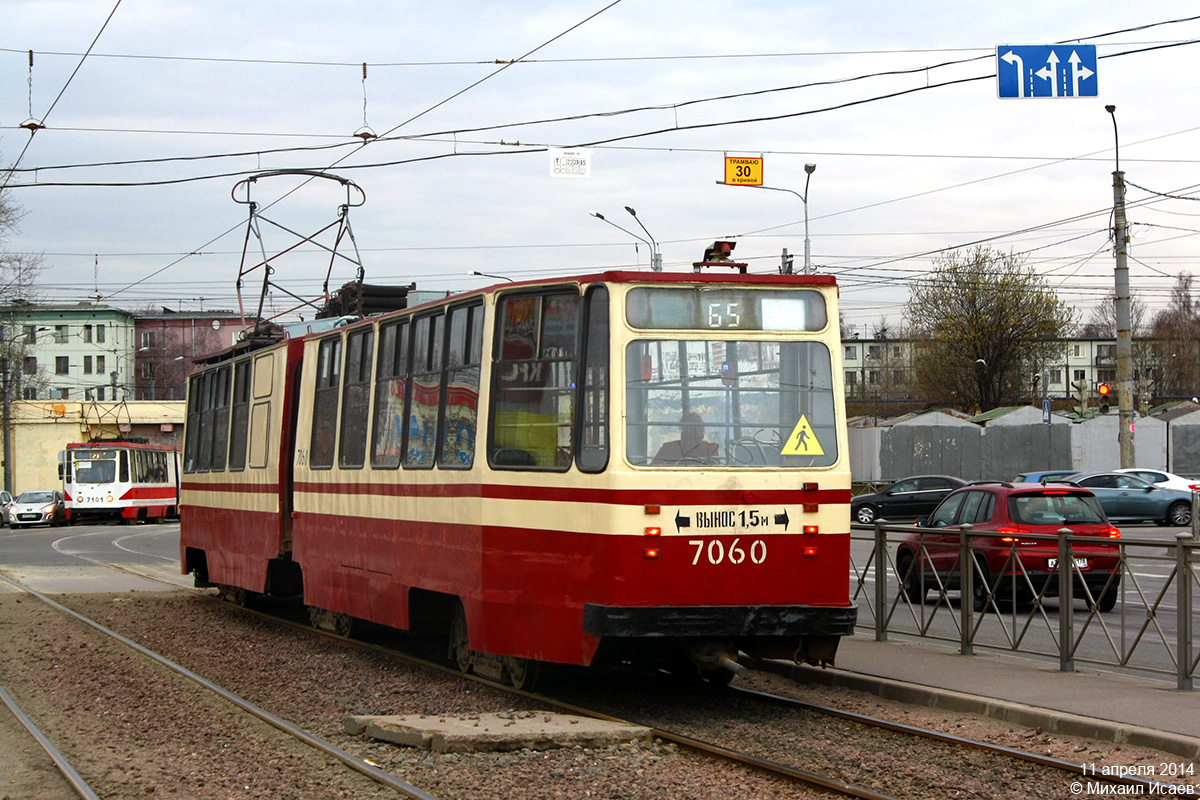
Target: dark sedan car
column 908, row 498
column 1126, row 498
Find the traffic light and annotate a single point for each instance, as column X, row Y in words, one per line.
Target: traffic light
column 1103, row 390
column 1079, row 398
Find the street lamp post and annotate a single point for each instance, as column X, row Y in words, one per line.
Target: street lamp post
column 655, row 256
column 809, row 169
column 1122, row 307
column 486, row 275
column 7, row 429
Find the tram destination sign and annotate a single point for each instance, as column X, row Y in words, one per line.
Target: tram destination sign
column 1043, row 70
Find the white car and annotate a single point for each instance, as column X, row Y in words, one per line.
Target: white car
column 1163, row 480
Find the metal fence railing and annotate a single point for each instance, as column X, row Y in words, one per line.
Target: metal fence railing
column 1140, row 618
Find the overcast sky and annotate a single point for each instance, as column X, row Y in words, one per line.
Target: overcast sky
column 896, row 104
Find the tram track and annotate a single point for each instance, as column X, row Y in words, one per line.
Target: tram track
column 808, row 776
column 1003, row 754
column 295, row 732
column 777, row 769
column 777, row 762
column 27, row 770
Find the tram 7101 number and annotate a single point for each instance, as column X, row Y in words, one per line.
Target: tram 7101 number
column 715, row 551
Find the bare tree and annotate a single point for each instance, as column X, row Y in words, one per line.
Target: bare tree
column 985, row 320
column 1176, row 333
column 1102, row 322
column 19, row 286
column 18, row 271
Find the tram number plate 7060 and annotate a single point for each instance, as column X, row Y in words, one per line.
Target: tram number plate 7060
column 717, row 552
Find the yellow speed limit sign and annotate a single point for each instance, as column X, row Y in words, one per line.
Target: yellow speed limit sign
column 742, row 171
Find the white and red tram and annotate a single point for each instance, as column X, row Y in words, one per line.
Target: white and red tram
column 120, row 480
column 618, row 467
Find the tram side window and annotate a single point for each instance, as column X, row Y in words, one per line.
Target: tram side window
column 537, row 358
column 210, row 420
column 240, row 425
column 387, row 438
column 192, row 429
column 425, row 400
column 325, row 402
column 220, row 420
column 356, row 399
column 593, row 412
column 463, row 357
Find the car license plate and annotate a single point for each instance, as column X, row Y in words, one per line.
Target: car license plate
column 1080, row 563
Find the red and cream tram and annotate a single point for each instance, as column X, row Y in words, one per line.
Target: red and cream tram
column 621, row 467
column 120, row 480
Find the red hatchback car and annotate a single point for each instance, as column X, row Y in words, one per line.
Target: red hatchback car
column 1015, row 568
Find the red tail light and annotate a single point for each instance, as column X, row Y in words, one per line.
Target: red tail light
column 1113, row 533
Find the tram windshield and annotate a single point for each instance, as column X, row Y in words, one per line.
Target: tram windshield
column 95, row 466
column 730, row 403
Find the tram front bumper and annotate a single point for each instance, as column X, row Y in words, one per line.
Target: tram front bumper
column 725, row 621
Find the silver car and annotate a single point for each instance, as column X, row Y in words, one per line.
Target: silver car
column 41, row 507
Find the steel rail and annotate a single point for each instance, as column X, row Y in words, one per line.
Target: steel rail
column 766, row 765
column 949, row 738
column 353, row 762
column 60, row 761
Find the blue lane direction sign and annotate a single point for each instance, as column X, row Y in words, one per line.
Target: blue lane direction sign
column 1043, row 70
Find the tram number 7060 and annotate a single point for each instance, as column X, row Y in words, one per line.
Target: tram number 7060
column 735, row 554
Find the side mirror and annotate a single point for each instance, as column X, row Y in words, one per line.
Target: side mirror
column 921, row 521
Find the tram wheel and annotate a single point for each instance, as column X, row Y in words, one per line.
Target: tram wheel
column 460, row 642
column 332, row 621
column 522, row 673
column 716, row 677
column 235, row 595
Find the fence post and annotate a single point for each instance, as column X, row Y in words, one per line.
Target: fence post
column 881, row 571
column 1183, row 612
column 1195, row 518
column 1066, row 602
column 966, row 589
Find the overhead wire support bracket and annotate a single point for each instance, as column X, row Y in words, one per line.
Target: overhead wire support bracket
column 241, row 193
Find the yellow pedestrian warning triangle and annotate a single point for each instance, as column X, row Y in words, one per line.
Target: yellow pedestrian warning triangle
column 803, row 441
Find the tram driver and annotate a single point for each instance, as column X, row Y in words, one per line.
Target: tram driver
column 691, row 447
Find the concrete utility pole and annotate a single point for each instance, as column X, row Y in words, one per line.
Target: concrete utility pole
column 1124, row 339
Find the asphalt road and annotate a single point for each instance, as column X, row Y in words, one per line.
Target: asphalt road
column 86, row 558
